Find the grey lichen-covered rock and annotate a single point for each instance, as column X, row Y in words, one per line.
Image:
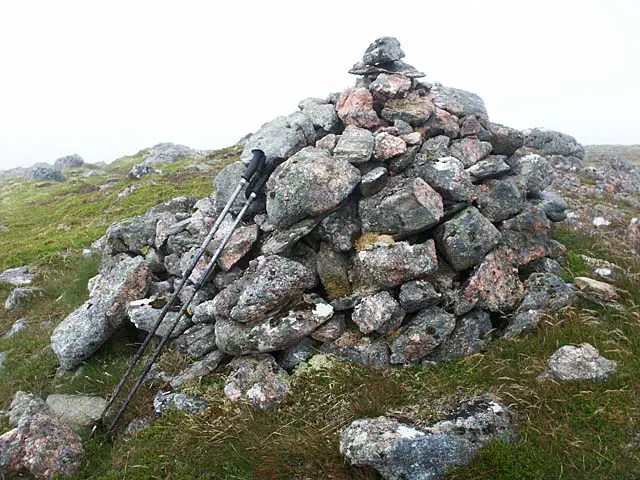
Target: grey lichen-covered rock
column 458, row 102
column 471, row 334
column 274, row 334
column 436, row 147
column 535, row 171
column 403, row 451
column 132, row 235
column 466, row 238
column 144, row 316
column 421, row 335
column 442, row 123
column 18, row 277
column 400, row 451
column 199, row 369
column 85, row 330
column 373, row 181
column 21, row 295
column 257, row 380
column 43, row 172
column 169, row 153
column 550, row 142
column 418, row 294
column 554, row 206
column 379, row 312
column 307, row 185
column 355, row 145
column 546, row 291
column 137, row 425
column 582, row 362
column 447, row 175
column 383, row 50
column 356, row 348
column 523, row 323
column 197, row 341
column 491, row 167
column 404, row 206
column 401, row 162
column 499, row 200
column 164, row 401
column 387, row 86
column 77, row 411
column 3, row 358
column 266, row 287
column 321, row 113
column 21, row 402
column 355, row 107
column 470, row 151
column 279, row 138
column 415, row 111
column 505, row 140
column 69, row 161
column 386, row 267
column 341, row 228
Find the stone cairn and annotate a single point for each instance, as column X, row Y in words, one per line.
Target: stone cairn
column 403, row 228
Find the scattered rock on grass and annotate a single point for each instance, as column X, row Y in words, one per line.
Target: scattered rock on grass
column 257, row 380
column 582, row 362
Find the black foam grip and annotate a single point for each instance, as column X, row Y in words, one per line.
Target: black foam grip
column 256, row 163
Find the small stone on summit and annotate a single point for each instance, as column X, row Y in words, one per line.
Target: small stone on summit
column 383, row 50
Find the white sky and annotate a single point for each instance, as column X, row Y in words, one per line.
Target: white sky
column 105, row 79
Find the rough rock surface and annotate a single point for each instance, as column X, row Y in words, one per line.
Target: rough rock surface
column 85, row 330
column 40, row 444
column 400, row 450
column 164, row 401
column 20, row 295
column 18, row 277
column 466, row 238
column 356, row 348
column 77, row 411
column 421, row 335
column 307, row 185
column 379, row 312
column 257, row 380
column 582, row 362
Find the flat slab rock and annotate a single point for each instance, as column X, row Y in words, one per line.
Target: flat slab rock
column 18, row 276
column 257, row 380
column 401, row 450
column 77, row 411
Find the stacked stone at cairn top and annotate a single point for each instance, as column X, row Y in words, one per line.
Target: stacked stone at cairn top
column 403, row 227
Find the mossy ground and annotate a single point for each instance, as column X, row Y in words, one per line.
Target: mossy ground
column 569, row 430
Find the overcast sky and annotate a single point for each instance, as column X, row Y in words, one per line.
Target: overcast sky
column 105, row 79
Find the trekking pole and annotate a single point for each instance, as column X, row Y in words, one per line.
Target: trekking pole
column 256, row 163
column 252, row 192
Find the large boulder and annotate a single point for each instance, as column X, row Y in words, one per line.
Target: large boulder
column 85, row 330
column 69, row 161
column 466, row 238
column 404, row 206
column 386, row 267
column 279, row 138
column 307, row 185
column 271, row 335
column 169, row 153
column 458, row 102
column 401, row 450
column 582, row 362
column 267, row 286
column 550, row 142
column 44, row 172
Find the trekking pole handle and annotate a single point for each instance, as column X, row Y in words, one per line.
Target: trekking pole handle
column 258, row 183
column 256, row 163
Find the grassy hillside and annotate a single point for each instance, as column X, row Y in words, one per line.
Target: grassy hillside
column 569, row 430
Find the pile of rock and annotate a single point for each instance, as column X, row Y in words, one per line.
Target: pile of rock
column 403, row 228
